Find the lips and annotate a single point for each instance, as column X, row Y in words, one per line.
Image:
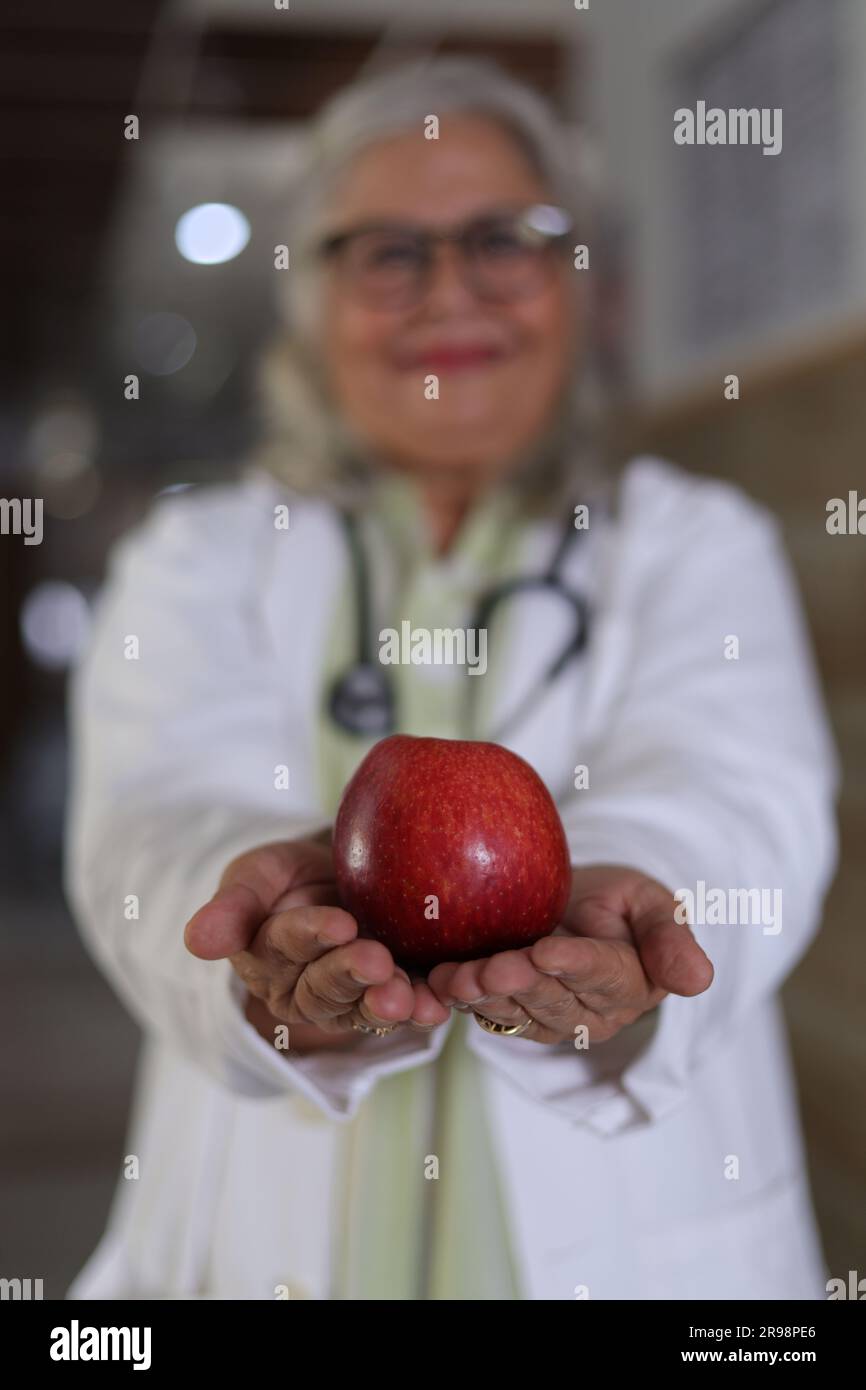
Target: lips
column 456, row 357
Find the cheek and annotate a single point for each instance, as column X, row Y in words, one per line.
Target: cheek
column 354, row 345
column 548, row 328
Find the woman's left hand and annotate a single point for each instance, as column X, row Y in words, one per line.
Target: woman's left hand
column 619, row 951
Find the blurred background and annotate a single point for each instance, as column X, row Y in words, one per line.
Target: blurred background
column 713, row 264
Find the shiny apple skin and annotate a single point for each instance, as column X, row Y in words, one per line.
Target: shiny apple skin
column 470, row 823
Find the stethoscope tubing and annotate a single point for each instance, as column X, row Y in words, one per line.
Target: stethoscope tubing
column 361, row 701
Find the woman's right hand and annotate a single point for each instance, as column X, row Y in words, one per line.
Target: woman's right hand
column 275, row 917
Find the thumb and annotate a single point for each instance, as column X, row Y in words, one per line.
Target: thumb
column 669, row 953
column 226, row 925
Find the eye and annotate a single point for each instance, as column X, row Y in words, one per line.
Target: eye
column 391, row 252
column 498, row 241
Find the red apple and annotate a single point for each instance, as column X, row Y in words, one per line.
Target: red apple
column 449, row 850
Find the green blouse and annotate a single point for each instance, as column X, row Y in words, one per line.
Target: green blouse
column 419, row 1213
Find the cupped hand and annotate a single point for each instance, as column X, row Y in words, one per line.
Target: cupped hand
column 618, row 952
column 275, row 917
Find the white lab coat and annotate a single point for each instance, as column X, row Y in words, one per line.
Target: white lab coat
column 618, row 1162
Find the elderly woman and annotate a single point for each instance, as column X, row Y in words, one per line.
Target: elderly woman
column 604, row 1114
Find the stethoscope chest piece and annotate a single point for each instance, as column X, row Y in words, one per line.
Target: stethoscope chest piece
column 362, row 701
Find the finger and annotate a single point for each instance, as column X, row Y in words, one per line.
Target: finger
column 301, row 935
column 225, row 925
column 605, row 974
column 670, row 955
column 467, row 988
column 285, row 944
column 309, row 895
column 332, row 985
column 464, row 986
column 384, row 1005
column 622, row 903
column 507, row 1011
column 507, row 972
column 249, row 888
column 427, row 1011
column 306, row 895
column 551, row 1005
column 439, row 981
column 271, row 870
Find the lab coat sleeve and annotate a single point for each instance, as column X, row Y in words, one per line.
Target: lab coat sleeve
column 178, row 725
column 715, row 767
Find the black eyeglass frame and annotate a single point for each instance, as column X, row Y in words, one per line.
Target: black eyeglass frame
column 536, row 235
column 529, row 219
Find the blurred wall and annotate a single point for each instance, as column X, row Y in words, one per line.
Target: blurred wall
column 637, row 48
column 795, row 440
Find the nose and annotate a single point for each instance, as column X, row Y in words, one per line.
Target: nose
column 448, row 286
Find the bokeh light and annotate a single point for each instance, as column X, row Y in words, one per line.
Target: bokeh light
column 212, row 233
column 55, row 620
column 164, row 343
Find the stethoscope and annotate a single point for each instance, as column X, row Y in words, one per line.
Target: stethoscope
column 361, row 700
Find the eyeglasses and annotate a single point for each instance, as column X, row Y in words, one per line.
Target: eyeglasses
column 503, row 256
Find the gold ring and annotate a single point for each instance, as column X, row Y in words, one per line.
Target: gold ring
column 504, row 1030
column 377, row 1032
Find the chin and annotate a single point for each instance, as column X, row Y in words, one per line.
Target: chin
column 488, row 446
column 460, row 434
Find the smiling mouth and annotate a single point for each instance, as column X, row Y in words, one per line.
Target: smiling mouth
column 456, row 358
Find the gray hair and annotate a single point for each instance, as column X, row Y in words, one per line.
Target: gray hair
column 305, row 443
